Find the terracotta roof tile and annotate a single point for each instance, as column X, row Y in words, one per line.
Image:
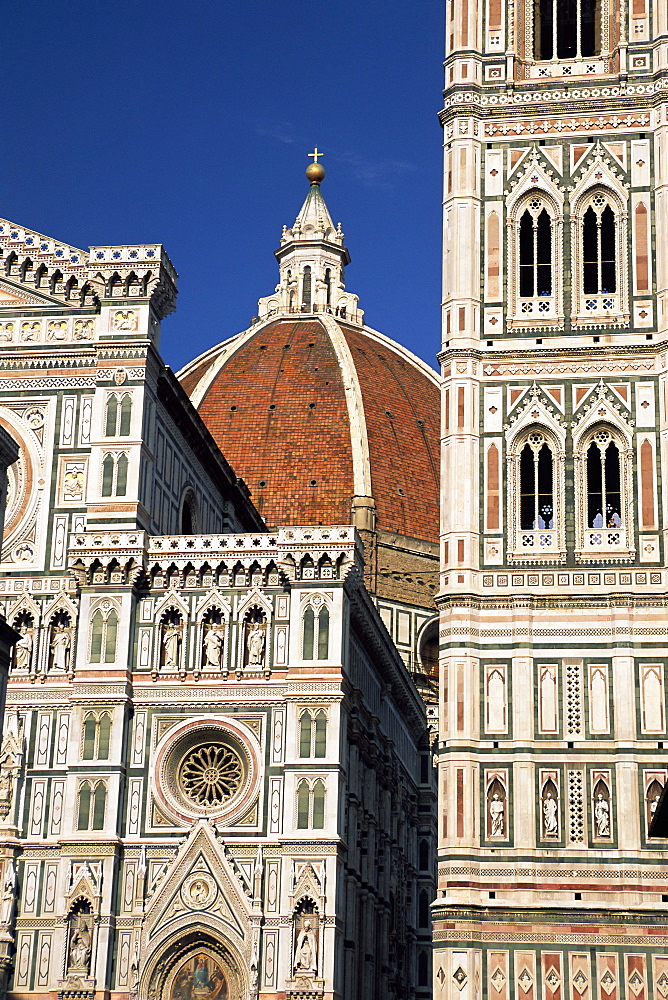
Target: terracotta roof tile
column 277, row 409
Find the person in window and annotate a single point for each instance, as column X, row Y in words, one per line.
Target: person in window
column 614, row 521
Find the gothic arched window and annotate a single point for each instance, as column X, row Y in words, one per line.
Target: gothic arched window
column 598, row 249
column 117, row 422
column 318, row 805
column 305, row 734
column 96, row 736
column 535, row 258
column 303, row 797
column 604, row 492
column 311, row 805
column 92, row 806
column 313, row 734
column 114, row 475
column 599, row 231
column 567, row 29
column 536, row 485
column 603, row 496
column 535, row 495
column 83, row 819
column 315, row 634
column 112, row 416
column 535, row 252
column 103, row 634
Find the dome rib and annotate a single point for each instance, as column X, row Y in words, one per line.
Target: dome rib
column 359, row 441
column 314, row 413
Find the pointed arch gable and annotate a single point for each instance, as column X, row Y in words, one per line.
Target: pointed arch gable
column 255, row 598
column 535, row 219
column 600, row 184
column 61, row 603
column 216, row 914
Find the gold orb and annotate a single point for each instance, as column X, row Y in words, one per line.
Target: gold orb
column 315, row 172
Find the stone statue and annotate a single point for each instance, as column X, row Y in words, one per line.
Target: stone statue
column 497, row 816
column 134, row 964
column 213, row 646
column 306, row 950
column 23, row 650
column 171, row 641
column 550, row 825
column 257, row 874
column 255, row 644
column 80, row 946
column 602, row 816
column 60, row 647
column 8, row 894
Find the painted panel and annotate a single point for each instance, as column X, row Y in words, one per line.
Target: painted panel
column 496, row 698
column 57, row 802
column 44, row 957
column 24, row 946
column 62, row 737
column 50, row 885
column 43, row 739
column 37, row 807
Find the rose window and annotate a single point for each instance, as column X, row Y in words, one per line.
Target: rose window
column 210, row 775
column 208, row 767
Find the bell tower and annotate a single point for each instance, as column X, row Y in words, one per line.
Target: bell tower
column 554, row 585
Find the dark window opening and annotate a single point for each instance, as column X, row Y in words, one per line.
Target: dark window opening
column 567, row 29
column 306, row 287
column 604, row 499
column 599, row 252
column 186, row 520
column 536, row 500
column 535, row 255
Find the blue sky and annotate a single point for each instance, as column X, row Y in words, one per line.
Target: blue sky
column 188, row 124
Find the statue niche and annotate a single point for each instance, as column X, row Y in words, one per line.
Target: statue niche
column 496, row 809
column 60, row 643
column 255, row 633
column 602, row 826
column 213, row 639
column 80, row 939
column 550, row 811
column 306, row 930
column 171, row 635
column 652, row 797
column 22, row 653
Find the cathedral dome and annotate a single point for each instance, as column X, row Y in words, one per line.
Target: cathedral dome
column 327, row 421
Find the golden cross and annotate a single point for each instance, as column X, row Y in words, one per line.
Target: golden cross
column 315, row 154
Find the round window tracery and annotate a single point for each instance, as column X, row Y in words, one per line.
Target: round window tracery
column 208, row 767
column 210, row 775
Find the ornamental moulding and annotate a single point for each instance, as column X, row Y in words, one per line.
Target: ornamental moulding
column 559, row 125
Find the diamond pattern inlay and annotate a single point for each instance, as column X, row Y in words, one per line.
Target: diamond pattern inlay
column 608, row 982
column 525, row 979
column 636, row 982
column 460, row 977
column 580, row 982
column 498, row 980
column 552, row 979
